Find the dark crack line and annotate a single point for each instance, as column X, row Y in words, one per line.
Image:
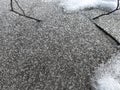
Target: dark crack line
column 117, row 8
column 20, row 14
column 106, row 33
column 103, row 30
column 19, row 7
column 26, row 16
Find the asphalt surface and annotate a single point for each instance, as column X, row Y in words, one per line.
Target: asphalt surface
column 59, row 53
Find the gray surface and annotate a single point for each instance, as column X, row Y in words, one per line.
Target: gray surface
column 111, row 23
column 58, row 54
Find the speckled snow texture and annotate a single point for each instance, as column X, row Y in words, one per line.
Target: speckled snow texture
column 59, row 53
column 107, row 75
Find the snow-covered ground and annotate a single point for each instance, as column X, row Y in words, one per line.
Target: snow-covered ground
column 107, row 76
column 85, row 4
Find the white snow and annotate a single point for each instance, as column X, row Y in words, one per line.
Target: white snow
column 107, row 76
column 83, row 4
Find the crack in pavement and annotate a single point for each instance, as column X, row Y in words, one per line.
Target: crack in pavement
column 103, row 30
